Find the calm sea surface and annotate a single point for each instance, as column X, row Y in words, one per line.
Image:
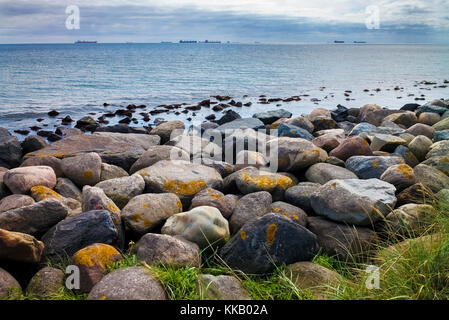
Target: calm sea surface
column 76, row 79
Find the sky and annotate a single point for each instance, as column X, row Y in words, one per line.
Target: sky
column 249, row 21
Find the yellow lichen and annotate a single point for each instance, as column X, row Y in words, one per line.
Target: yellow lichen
column 103, row 298
column 145, row 205
column 184, row 188
column 406, row 171
column 147, row 223
column 179, row 204
column 375, row 163
column 243, row 235
column 268, row 181
column 100, row 254
column 271, row 234
column 40, row 193
column 112, row 207
column 88, row 174
column 137, row 217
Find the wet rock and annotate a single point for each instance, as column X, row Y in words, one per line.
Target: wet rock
column 21, row 247
column 221, row 287
column 33, row 143
column 10, row 150
column 300, row 195
column 432, row 178
column 109, row 171
column 15, row 201
column 21, row 180
column 407, row 155
column 267, row 242
column 288, row 130
column 421, row 129
column 51, row 162
column 148, row 211
column 399, row 175
column 66, row 188
column 84, row 169
column 204, row 226
column 7, row 284
column 271, row 116
column 420, row 145
column 248, row 208
column 294, row 213
column 214, row 198
column 324, row 172
column 46, row 282
column 352, row 146
column 156, row 249
column 122, row 190
column 359, row 202
column 157, row 153
column 367, row 167
column 168, row 130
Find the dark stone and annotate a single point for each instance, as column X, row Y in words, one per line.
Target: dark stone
column 33, row 143
column 229, row 116
column 410, row 107
column 53, row 113
column 10, row 150
column 340, row 114
column 122, row 128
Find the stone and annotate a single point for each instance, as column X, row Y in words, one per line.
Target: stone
column 34, row 219
column 435, row 108
column 21, row 247
column 421, row 129
column 289, row 130
column 336, row 162
column 267, row 242
column 295, row 153
column 51, row 162
column 429, row 118
column 229, row 115
column 441, row 135
column 157, row 249
column 410, row 107
column 15, row 201
column 84, row 169
column 148, row 211
column 46, row 282
column 246, row 158
column 300, row 195
column 324, row 172
column 71, row 235
column 400, row 175
column 120, row 149
column 438, row 162
column 122, row 190
column 407, row 155
column 66, row 188
column 10, row 150
column 406, row 119
column 168, row 130
column 385, row 142
column 214, row 198
column 340, row 114
column 204, row 226
column 182, row 178
column 109, row 171
column 363, row 127
column 290, row 211
column 244, row 139
column 132, row 283
column 157, row 153
column 354, row 201
column 367, row 167
column 323, row 123
column 250, row 207
column 301, row 122
column 21, row 180
column 8, row 284
column 375, row 117
column 223, row 168
column 416, row 193
column 443, row 195
column 251, row 123
column 410, row 220
column 210, row 287
column 440, row 148
column 352, row 146
column 254, row 180
column 328, row 142
column 432, row 178
column 33, row 143
column 420, row 145
column 319, row 112
column 271, row 116
column 3, row 189
column 41, row 193
column 93, row 262
column 407, row 137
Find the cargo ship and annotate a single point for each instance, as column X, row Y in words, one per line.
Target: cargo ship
column 188, row 41
column 85, row 41
column 339, row 41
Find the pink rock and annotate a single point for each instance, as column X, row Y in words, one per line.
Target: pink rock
column 21, row 180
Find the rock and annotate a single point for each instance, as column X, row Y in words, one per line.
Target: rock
column 195, row 146
column 109, row 171
column 363, row 127
column 121, row 149
column 148, row 211
column 410, row 107
column 421, row 129
column 46, row 282
column 182, row 178
column 271, row 116
column 93, row 262
column 204, row 226
column 443, row 195
column 288, row 130
column 3, row 189
column 420, row 145
column 51, row 162
column 132, row 283
column 251, row 123
column 289, row 211
column 21, row 180
column 375, row 117
column 407, row 155
column 312, row 277
column 122, row 128
column 34, row 219
column 366, row 167
column 301, row 122
column 247, row 158
column 324, row 172
column 10, row 150
column 157, row 153
column 441, row 135
column 15, row 201
column 340, row 114
column 359, row 202
column 385, row 142
column 41, row 193
column 267, row 242
column 229, row 116
column 7, row 284
column 33, row 143
column 121, row 190
column 223, row 168
column 348, row 243
column 417, row 193
column 73, row 234
column 406, row 119
column 300, row 195
column 410, row 220
column 439, row 162
column 84, row 169
column 244, row 139
column 66, row 188
column 440, row 148
column 323, row 123
column 221, row 287
column 328, row 142
column 295, row 153
column 21, row 247
column 254, row 180
column 214, row 198
column 167, row 129
column 156, row 249
column 87, row 123
column 250, row 207
column 352, row 146
column 399, row 175
column 432, row 178
column 440, row 109
column 336, row 162
column 429, row 118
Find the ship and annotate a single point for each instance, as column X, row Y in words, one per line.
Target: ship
column 188, row 41
column 339, row 41
column 209, row 41
column 359, row 41
column 85, row 41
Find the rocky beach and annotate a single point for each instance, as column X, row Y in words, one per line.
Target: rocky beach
column 249, row 194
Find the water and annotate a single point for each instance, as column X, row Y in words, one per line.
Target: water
column 76, row 79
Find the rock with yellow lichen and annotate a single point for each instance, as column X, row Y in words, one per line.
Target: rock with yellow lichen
column 15, row 201
column 84, row 169
column 292, row 212
column 41, row 193
column 93, row 262
column 399, row 175
column 367, row 167
column 204, row 226
column 121, row 190
column 267, row 242
column 214, row 198
column 250, row 207
column 148, row 211
column 16, row 246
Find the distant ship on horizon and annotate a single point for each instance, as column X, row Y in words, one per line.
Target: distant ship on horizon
column 85, row 41
column 359, row 41
column 339, row 41
column 188, row 41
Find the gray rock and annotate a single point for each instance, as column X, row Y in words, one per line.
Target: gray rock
column 271, row 116
column 21, row 180
column 7, row 284
column 420, row 145
column 33, row 143
column 214, row 198
column 399, row 175
column 421, row 129
column 251, row 123
column 10, row 150
column 84, row 169
column 361, row 128
column 289, row 130
column 121, row 190
column 367, row 167
column 440, row 148
column 301, row 122
column 432, row 178
column 250, row 207
column 157, row 153
column 168, row 130
column 441, row 135
column 109, row 171
column 290, row 211
column 15, row 201
column 300, row 195
column 221, row 287
column 66, row 188
column 324, row 172
column 439, row 162
column 385, row 142
column 46, row 282
column 407, row 155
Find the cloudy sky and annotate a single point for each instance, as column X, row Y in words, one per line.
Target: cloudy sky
column 268, row 21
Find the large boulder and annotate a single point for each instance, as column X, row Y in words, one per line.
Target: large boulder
column 432, row 178
column 324, row 172
column 204, row 226
column 15, row 201
column 300, row 195
column 407, row 155
column 21, row 180
column 267, row 242
column 271, row 116
column 292, row 212
column 132, row 283
column 51, row 162
column 16, row 246
column 121, row 190
column 41, row 193
column 84, row 169
column 289, row 130
column 385, row 142
column 354, row 201
column 420, row 145
column 182, row 178
column 421, row 129
column 148, row 211
column 10, row 150
column 399, row 175
column 406, row 119
column 157, row 153
column 352, row 146
column 367, row 167
column 168, row 130
column 250, row 207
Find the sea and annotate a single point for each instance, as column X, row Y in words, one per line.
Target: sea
column 77, row 79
